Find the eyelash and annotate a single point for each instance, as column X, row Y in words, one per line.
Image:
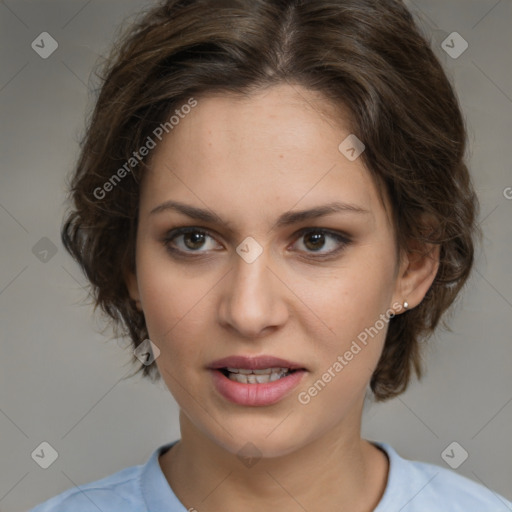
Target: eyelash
column 343, row 240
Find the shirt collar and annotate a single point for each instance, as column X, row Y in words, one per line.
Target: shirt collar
column 159, row 496
column 156, row 491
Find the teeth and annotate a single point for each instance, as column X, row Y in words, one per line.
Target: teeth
column 274, row 376
column 262, row 376
column 263, row 371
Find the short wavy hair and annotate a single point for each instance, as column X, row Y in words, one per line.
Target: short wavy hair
column 367, row 56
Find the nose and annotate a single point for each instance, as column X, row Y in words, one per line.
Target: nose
column 253, row 302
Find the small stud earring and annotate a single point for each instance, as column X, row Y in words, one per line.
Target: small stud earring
column 406, row 305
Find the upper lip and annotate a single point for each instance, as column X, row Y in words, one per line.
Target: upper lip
column 254, row 363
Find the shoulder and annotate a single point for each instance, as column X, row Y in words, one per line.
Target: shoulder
column 135, row 489
column 415, row 486
column 117, row 492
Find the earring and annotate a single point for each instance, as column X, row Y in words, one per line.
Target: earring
column 406, row 305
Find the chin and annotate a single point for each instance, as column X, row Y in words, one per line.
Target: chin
column 249, row 440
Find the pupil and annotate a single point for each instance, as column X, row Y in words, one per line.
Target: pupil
column 189, row 236
column 317, row 237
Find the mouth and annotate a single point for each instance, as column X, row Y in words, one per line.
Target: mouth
column 261, row 376
column 259, row 365
column 255, row 381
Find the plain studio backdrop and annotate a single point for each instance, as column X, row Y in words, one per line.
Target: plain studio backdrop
column 60, row 378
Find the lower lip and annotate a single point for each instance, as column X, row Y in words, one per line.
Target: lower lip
column 256, row 394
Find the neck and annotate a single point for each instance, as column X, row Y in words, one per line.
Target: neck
column 338, row 471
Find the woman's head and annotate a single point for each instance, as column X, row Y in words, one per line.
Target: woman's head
column 239, row 108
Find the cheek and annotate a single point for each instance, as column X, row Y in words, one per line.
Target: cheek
column 173, row 310
column 345, row 360
column 168, row 296
column 351, row 304
column 354, row 298
column 169, row 291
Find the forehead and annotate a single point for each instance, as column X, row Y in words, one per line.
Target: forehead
column 277, row 147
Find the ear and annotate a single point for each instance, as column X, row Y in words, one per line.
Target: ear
column 417, row 272
column 130, row 279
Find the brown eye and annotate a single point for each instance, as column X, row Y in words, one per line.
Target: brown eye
column 317, row 239
column 188, row 240
column 194, row 240
column 314, row 241
column 191, row 241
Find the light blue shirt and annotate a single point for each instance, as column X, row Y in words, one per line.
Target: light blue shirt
column 412, row 487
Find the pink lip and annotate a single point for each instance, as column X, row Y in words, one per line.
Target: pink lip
column 255, row 394
column 254, row 363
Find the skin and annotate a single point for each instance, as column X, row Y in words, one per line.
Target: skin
column 249, row 160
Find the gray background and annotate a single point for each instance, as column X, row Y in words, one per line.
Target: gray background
column 60, row 378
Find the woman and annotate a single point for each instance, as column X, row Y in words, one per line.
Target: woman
column 272, row 200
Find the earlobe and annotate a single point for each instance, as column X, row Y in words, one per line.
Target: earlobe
column 417, row 273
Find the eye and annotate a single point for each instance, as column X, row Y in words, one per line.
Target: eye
column 192, row 239
column 317, row 239
column 188, row 240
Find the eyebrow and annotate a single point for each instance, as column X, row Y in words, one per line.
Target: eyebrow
column 286, row 219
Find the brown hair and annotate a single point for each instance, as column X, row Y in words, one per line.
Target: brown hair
column 365, row 55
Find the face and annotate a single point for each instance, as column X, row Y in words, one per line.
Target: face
column 253, row 279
